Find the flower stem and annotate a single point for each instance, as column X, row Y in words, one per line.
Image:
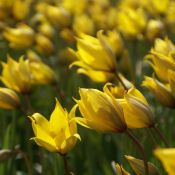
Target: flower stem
column 121, row 81
column 159, row 133
column 140, row 147
column 66, row 167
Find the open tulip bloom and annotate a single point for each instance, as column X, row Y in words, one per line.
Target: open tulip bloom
column 59, row 134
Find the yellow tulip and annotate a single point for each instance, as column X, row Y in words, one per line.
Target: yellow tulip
column 161, row 91
column 56, row 15
column 43, row 44
column 71, row 4
column 59, row 134
column 154, row 29
column 95, row 58
column 8, row 99
column 164, row 47
column 131, row 22
column 83, row 24
column 100, row 112
column 139, row 168
column 137, row 112
column 167, row 157
column 42, row 73
column 120, row 170
column 21, row 9
column 17, row 75
column 20, row 37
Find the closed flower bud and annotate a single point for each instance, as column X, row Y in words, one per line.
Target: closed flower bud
column 95, row 58
column 17, row 75
column 56, row 15
column 41, row 73
column 161, row 91
column 167, row 157
column 44, row 44
column 154, row 29
column 161, row 58
column 137, row 112
column 120, row 170
column 100, row 112
column 46, row 29
column 21, row 9
column 131, row 22
column 8, row 99
column 20, row 37
column 139, row 168
column 59, row 134
column 83, row 24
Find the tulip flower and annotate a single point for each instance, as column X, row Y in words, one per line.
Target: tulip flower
column 20, row 37
column 161, row 91
column 59, row 134
column 138, row 166
column 95, row 58
column 100, row 112
column 21, row 9
column 120, row 170
column 161, row 58
column 167, row 157
column 131, row 22
column 83, row 24
column 137, row 112
column 42, row 73
column 8, row 99
column 43, row 44
column 17, row 75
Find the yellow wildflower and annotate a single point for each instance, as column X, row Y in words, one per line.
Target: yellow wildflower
column 137, row 112
column 162, row 91
column 139, row 168
column 59, row 134
column 20, row 37
column 8, row 99
column 17, row 75
column 95, row 58
column 167, row 157
column 100, row 112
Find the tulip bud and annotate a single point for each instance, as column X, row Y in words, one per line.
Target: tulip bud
column 139, row 168
column 43, row 44
column 17, row 75
column 21, row 9
column 120, row 170
column 8, row 99
column 162, row 92
column 20, row 37
column 154, row 29
column 83, row 24
column 42, row 73
column 137, row 112
column 57, row 15
column 100, row 112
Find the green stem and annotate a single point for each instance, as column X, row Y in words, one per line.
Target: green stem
column 140, row 147
column 66, row 167
column 159, row 133
column 121, row 81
